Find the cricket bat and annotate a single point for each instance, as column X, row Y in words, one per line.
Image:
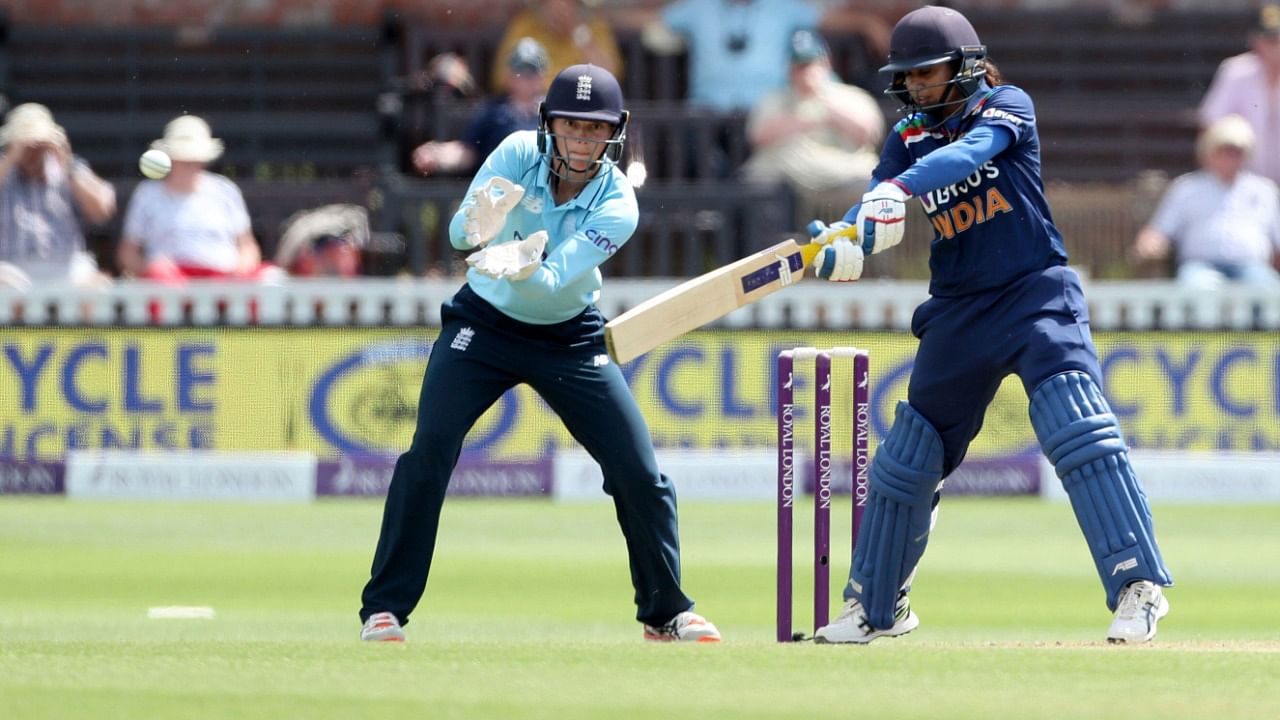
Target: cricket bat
column 692, row 304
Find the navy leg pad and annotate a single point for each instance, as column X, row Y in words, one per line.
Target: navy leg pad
column 904, row 477
column 1082, row 439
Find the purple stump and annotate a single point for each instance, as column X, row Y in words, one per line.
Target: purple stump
column 821, row 490
column 861, row 437
column 786, row 489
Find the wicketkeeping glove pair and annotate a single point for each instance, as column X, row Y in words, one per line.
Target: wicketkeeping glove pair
column 485, row 218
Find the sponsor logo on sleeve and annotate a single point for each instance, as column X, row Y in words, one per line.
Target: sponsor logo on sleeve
column 600, row 240
column 998, row 114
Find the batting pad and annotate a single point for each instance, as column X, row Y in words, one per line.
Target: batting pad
column 1082, row 439
column 904, row 477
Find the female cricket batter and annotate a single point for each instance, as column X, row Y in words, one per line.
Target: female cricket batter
column 1002, row 301
column 546, row 210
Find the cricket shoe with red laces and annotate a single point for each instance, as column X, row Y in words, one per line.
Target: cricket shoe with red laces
column 1142, row 604
column 382, row 627
column 688, row 626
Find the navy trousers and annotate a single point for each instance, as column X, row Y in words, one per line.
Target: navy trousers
column 479, row 355
column 1036, row 327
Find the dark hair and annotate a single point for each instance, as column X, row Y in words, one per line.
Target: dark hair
column 994, row 76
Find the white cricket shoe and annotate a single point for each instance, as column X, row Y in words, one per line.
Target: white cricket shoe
column 851, row 625
column 688, row 626
column 382, row 627
column 1142, row 604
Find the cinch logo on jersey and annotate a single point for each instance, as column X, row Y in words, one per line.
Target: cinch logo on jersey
column 967, row 212
column 600, row 240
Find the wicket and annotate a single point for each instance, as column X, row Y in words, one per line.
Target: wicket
column 822, row 469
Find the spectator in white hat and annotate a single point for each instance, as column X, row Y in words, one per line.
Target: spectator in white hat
column 193, row 223
column 46, row 192
column 1223, row 220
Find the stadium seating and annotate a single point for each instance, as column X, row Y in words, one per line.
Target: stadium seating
column 289, row 103
column 1115, row 101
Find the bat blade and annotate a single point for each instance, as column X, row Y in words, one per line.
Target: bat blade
column 705, row 299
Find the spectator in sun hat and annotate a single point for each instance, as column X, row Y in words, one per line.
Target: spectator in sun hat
column 1222, row 220
column 515, row 109
column 46, row 194
column 193, row 223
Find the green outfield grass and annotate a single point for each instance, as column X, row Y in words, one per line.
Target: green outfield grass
column 529, row 615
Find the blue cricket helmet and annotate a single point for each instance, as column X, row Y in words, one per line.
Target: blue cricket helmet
column 583, row 92
column 932, row 35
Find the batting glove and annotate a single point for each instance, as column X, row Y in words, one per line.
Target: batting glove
column 839, row 261
column 881, row 217
column 824, row 234
column 488, row 210
column 511, row 260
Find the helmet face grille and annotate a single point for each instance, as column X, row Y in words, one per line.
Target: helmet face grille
column 931, row 36
column 559, row 164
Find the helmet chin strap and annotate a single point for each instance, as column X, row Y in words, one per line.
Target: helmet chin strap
column 942, row 103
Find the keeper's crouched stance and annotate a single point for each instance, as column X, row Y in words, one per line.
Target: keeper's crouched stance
column 542, row 214
column 1002, row 301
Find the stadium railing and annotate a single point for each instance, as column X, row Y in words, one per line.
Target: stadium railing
column 868, row 305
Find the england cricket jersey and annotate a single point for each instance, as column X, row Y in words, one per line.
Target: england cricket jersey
column 581, row 234
column 990, row 219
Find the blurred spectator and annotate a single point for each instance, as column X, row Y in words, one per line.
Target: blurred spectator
column 45, row 193
column 817, row 134
column 572, row 34
column 515, row 109
column 193, row 223
column 447, row 76
column 1224, row 220
column 324, row 242
column 738, row 49
column 1249, row 85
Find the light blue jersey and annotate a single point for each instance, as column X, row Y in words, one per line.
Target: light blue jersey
column 581, row 234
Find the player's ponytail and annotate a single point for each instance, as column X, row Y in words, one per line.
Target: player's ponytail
column 993, row 76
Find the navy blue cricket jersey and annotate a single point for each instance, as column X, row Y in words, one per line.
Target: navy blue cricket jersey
column 992, row 226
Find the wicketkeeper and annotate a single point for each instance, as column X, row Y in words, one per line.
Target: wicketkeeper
column 543, row 213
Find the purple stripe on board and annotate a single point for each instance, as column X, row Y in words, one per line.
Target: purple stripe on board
column 1011, row 475
column 370, row 476
column 19, row 477
column 786, row 489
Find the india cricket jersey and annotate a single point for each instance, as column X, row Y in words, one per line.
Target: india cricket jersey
column 993, row 225
column 582, row 233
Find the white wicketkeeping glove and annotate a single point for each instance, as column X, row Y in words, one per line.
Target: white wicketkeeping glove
column 510, row 260
column 488, row 213
column 882, row 217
